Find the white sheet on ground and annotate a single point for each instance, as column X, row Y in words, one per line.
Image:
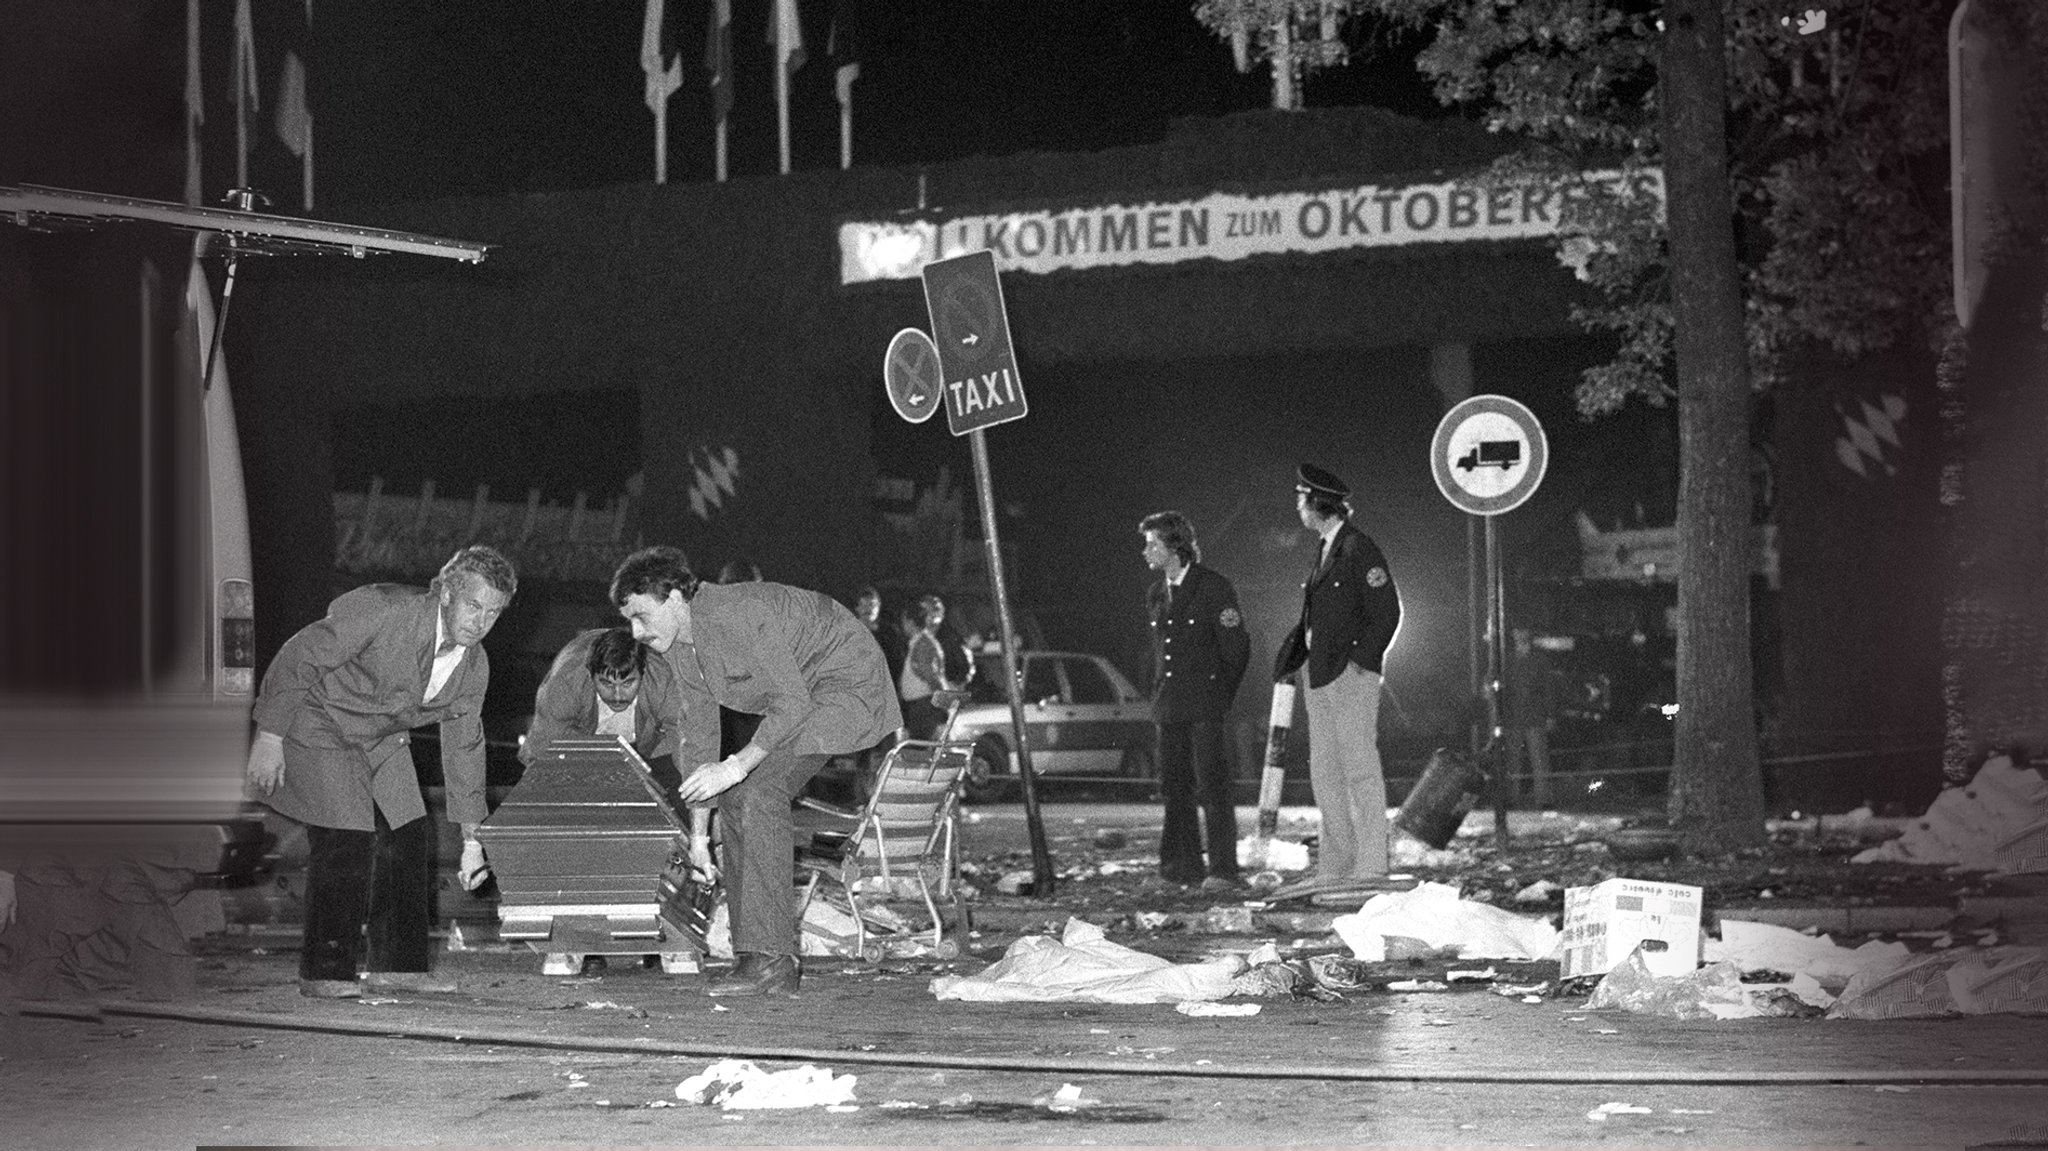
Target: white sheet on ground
column 1083, row 966
column 1768, row 947
column 1434, row 914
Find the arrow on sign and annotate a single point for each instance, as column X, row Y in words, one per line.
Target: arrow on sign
column 971, row 339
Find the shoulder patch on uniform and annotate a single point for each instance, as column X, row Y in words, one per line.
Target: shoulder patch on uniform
column 1230, row 618
column 1376, row 576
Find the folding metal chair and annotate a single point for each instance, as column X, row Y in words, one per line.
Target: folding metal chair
column 907, row 832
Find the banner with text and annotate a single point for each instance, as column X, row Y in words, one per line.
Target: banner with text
column 1229, row 226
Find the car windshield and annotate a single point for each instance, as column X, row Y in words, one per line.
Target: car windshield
column 1088, row 682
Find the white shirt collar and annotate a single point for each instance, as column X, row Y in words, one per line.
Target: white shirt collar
column 441, row 630
column 1176, row 580
column 1330, row 532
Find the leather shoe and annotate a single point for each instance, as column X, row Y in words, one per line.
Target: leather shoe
column 330, row 989
column 759, row 973
column 418, row 981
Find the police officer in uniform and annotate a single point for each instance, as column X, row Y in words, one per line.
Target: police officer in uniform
column 1349, row 612
column 1200, row 651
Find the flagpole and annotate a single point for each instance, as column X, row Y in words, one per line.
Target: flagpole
column 848, row 73
column 720, row 146
column 782, row 107
column 195, row 105
column 246, row 91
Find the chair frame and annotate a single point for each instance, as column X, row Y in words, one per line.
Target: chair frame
column 866, row 850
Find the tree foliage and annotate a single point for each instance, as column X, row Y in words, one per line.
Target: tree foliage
column 1837, row 146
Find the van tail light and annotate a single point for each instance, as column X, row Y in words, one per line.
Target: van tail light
column 237, row 637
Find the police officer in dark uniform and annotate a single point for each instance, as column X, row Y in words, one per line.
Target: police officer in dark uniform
column 1350, row 610
column 1200, row 651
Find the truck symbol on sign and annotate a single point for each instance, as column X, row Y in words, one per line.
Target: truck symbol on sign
column 1502, row 454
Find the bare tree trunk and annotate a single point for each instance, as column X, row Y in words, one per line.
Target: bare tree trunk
column 1717, row 784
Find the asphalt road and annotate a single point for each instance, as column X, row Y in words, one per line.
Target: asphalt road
column 153, row 1084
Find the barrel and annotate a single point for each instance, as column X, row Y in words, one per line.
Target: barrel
column 1440, row 800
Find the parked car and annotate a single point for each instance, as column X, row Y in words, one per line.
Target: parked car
column 1082, row 717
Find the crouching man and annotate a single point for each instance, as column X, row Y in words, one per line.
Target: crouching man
column 603, row 683
column 816, row 677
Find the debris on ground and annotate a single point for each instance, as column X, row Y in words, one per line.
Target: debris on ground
column 1204, row 1010
column 1754, row 947
column 1715, row 991
column 1084, row 966
column 1267, row 854
column 1959, row 981
column 1599, row 1114
column 1999, row 813
column 1434, row 914
column 741, row 1085
column 1611, row 920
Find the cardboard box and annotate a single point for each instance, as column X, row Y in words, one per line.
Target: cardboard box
column 1604, row 922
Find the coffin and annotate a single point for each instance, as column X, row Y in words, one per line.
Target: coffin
column 586, row 848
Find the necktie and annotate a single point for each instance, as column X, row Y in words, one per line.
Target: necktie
column 447, row 646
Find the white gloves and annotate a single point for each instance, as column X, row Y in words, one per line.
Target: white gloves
column 475, row 868
column 266, row 762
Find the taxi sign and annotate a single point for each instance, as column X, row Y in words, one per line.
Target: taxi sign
column 910, row 372
column 972, row 330
column 1488, row 455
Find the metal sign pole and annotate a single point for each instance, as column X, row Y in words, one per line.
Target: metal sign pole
column 1499, row 762
column 984, row 487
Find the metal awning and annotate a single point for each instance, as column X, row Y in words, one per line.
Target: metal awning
column 240, row 231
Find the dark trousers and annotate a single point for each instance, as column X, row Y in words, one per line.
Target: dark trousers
column 758, row 854
column 923, row 718
column 1194, row 768
column 374, row 879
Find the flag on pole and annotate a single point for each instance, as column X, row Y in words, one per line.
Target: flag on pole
column 841, row 46
column 664, row 69
column 787, row 36
column 295, row 122
column 247, row 88
column 786, row 33
column 718, row 58
column 195, row 104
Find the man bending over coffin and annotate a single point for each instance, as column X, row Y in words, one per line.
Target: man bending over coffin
column 816, row 677
column 603, row 684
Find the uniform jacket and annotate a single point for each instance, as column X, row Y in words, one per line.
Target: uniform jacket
column 345, row 692
column 797, row 658
column 565, row 707
column 1199, row 647
column 1351, row 605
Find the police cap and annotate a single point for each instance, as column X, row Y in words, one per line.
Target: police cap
column 1314, row 481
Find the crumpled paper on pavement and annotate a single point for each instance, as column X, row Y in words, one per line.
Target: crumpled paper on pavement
column 1083, row 966
column 1433, row 913
column 1715, row 991
column 1768, row 947
column 1959, row 981
column 1272, row 854
column 740, row 1085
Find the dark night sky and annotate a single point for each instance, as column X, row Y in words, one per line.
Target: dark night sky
column 486, row 96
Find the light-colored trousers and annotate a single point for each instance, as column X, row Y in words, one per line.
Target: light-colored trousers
column 1344, row 769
